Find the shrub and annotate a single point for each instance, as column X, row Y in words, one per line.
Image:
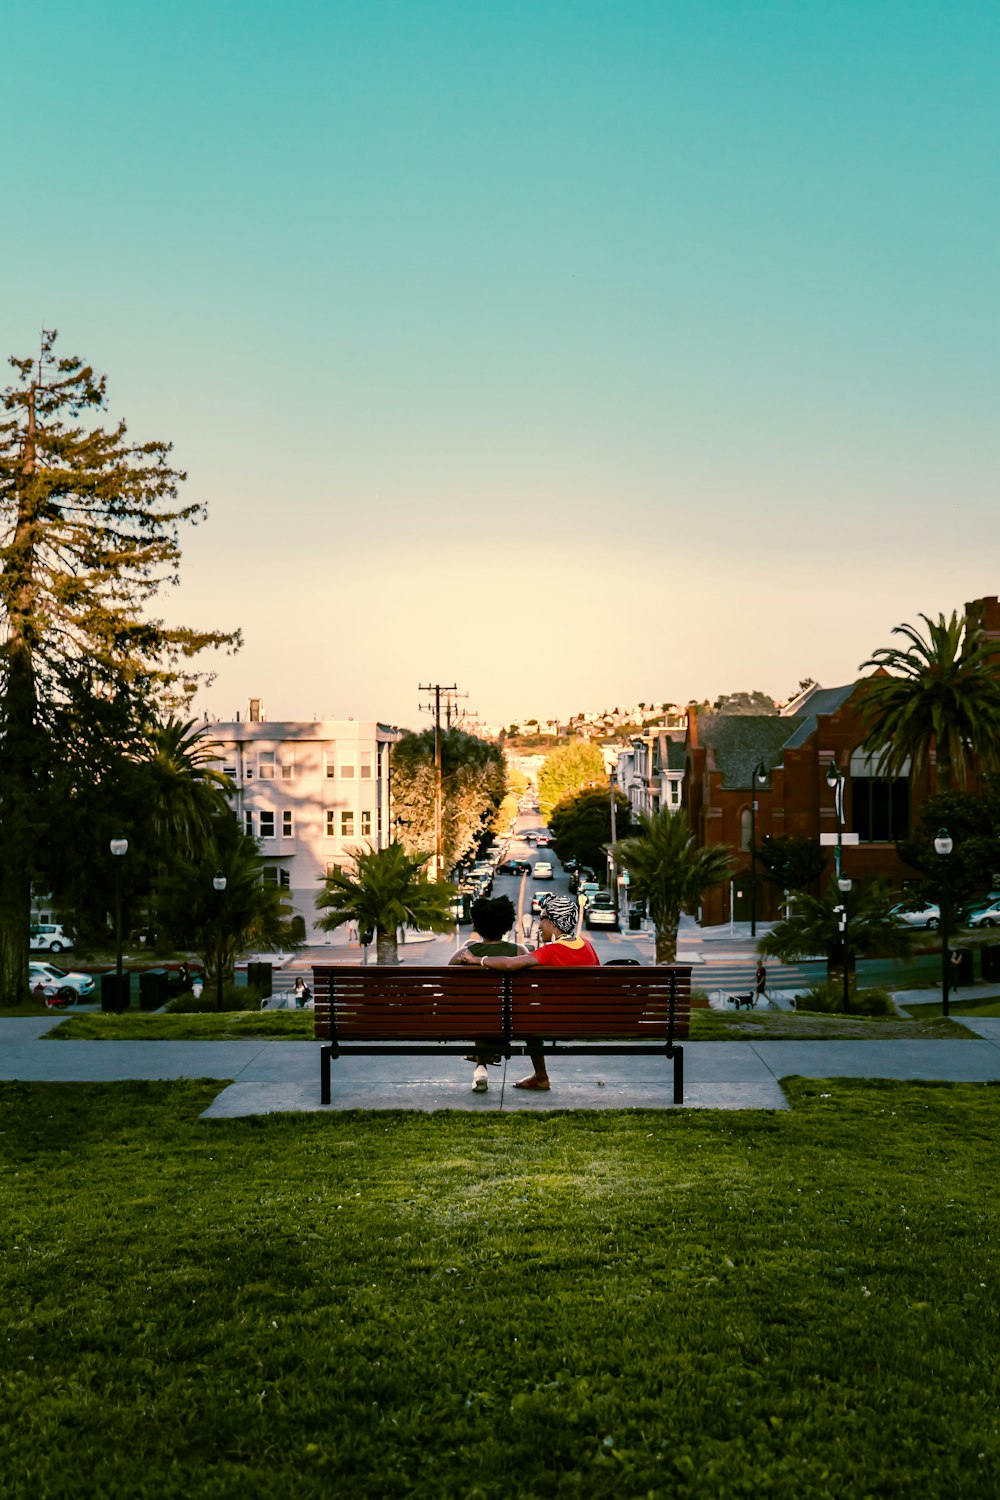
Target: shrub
column 828, row 1000
column 234, row 997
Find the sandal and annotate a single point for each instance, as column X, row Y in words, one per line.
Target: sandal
column 540, row 1085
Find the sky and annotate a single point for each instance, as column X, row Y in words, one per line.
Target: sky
column 573, row 353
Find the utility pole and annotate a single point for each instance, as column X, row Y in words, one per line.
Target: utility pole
column 437, row 689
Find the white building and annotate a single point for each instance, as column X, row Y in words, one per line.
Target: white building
column 308, row 793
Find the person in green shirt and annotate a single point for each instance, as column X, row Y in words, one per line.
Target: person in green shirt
column 492, row 920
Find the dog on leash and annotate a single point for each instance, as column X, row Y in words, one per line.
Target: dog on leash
column 747, row 1000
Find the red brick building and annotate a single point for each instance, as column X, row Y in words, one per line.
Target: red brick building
column 787, row 758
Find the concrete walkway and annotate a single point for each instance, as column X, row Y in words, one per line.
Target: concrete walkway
column 264, row 1077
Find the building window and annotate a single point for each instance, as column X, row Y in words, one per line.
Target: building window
column 365, row 765
column 331, row 824
column 746, row 827
column 265, row 765
column 347, row 825
column 269, row 875
column 248, row 823
column 286, row 879
column 880, row 805
column 366, row 825
column 230, row 771
column 286, row 824
column 347, row 768
column 330, row 762
column 287, row 765
column 266, row 825
column 334, row 869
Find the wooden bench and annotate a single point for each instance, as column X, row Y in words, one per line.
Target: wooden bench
column 421, row 1011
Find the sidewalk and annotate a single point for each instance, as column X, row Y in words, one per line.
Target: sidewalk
column 275, row 1077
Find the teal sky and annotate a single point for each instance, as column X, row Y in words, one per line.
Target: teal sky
column 576, row 353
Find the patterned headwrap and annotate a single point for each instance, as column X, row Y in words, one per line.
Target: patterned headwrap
column 562, row 911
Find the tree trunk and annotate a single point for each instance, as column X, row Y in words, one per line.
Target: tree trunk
column 385, row 948
column 666, row 944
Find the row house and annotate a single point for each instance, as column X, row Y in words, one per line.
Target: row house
column 308, row 792
column 651, row 771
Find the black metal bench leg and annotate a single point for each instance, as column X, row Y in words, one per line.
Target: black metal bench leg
column 678, row 1075
column 325, row 1053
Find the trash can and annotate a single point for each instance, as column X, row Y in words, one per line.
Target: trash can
column 113, row 997
column 259, row 978
column 634, row 922
column 154, row 989
column 991, row 962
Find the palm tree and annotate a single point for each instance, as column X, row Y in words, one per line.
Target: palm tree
column 387, row 891
column 184, row 790
column 942, row 691
column 250, row 913
column 813, row 927
column 669, row 870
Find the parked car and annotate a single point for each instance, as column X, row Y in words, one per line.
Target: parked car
column 589, row 889
column 49, row 937
column 986, row 916
column 536, row 900
column 602, row 911
column 542, row 870
column 922, row 914
column 57, row 984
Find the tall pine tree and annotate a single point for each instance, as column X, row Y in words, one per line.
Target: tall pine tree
column 89, row 525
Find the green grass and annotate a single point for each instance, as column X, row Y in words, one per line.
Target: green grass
column 706, row 1026
column 925, row 1010
column 160, row 1026
column 689, row 1304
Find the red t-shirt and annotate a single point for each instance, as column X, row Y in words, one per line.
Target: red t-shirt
column 566, row 953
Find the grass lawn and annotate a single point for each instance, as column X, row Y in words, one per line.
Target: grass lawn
column 706, row 1026
column 689, row 1304
column 925, row 1011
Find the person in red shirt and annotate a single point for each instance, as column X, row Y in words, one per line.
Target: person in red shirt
column 560, row 948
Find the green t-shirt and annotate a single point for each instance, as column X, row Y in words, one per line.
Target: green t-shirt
column 498, row 949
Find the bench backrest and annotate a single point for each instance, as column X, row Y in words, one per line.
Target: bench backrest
column 626, row 1003
column 368, row 1003
column 356, row 1002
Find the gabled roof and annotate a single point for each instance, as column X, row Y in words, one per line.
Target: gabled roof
column 819, row 701
column 739, row 742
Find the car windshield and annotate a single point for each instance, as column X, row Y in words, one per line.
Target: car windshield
column 51, row 969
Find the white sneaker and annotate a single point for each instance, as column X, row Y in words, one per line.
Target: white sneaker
column 480, row 1080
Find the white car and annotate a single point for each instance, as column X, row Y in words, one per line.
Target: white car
column 57, row 984
column 926, row 915
column 542, row 870
column 988, row 916
column 49, row 937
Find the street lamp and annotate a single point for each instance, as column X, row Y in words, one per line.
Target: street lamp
column 943, row 845
column 844, row 883
column 219, row 881
column 759, row 779
column 835, row 781
column 119, row 848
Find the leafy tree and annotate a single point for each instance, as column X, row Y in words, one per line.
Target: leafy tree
column 973, row 820
column 791, row 863
column 387, row 890
column 88, row 533
column 473, row 784
column 813, row 927
column 669, row 870
column 252, row 911
column 566, row 771
column 581, row 826
column 754, row 702
column 941, row 692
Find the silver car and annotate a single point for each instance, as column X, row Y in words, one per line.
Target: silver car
column 57, row 984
